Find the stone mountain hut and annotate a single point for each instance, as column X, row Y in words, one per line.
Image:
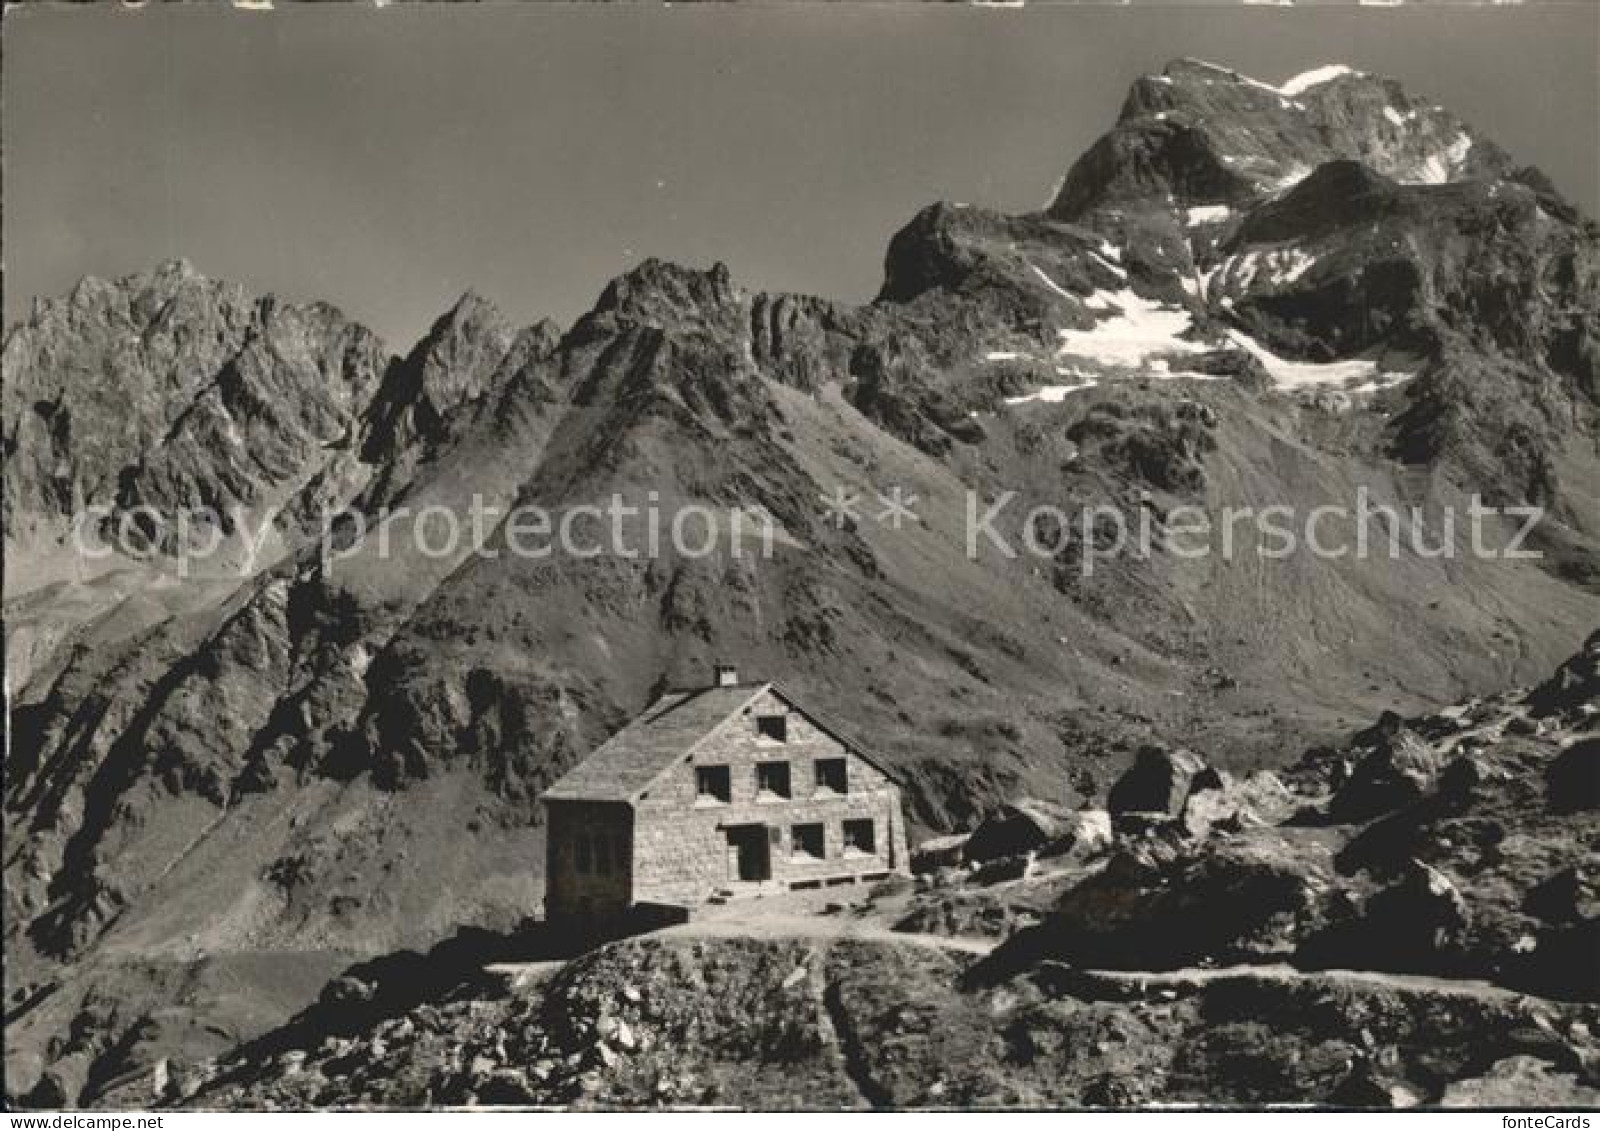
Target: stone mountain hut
column 730, row 787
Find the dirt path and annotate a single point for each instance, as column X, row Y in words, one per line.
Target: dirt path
column 789, row 926
column 1282, row 972
column 766, row 924
column 814, row 916
column 799, row 926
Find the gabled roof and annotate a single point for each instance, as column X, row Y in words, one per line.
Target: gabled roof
column 663, row 735
column 832, row 729
column 635, row 756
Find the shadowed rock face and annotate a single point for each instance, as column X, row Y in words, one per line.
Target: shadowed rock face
column 299, row 752
column 452, row 365
column 1575, row 778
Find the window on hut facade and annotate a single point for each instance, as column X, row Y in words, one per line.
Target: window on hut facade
column 808, row 841
column 712, row 784
column 772, row 780
column 581, row 853
column 860, row 838
column 773, row 727
column 831, row 775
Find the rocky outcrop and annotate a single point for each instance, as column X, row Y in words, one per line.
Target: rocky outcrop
column 864, row 1024
column 1571, row 696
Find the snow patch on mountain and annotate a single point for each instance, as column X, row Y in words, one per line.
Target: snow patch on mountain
column 1271, row 268
column 1207, row 214
column 1353, row 375
column 1440, row 167
column 1055, row 394
column 1308, row 79
column 1051, row 283
column 1110, row 256
column 1138, row 330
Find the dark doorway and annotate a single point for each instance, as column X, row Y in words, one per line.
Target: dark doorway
column 749, row 857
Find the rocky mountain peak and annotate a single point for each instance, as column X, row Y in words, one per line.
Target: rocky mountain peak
column 135, row 300
column 177, row 268
column 454, row 363
column 664, row 294
column 667, row 339
column 471, row 307
column 473, row 323
column 153, row 387
column 1206, row 134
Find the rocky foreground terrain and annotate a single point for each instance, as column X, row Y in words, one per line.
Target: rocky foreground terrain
column 230, row 779
column 1411, row 919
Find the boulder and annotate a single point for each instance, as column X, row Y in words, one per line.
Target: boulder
column 1003, row 868
column 1416, row 925
column 1240, row 803
column 507, row 1087
column 939, row 852
column 1016, row 828
column 1574, row 778
column 1573, row 690
column 348, row 990
column 1400, row 768
column 1569, row 896
column 1465, row 774
column 1424, row 895
column 1089, row 830
column 1246, row 898
column 1113, row 1090
column 1369, row 1086
column 1520, row 1082
column 1160, row 781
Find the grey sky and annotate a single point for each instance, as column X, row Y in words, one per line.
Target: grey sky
column 386, row 160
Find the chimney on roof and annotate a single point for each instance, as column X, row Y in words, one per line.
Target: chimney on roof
column 727, row 675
